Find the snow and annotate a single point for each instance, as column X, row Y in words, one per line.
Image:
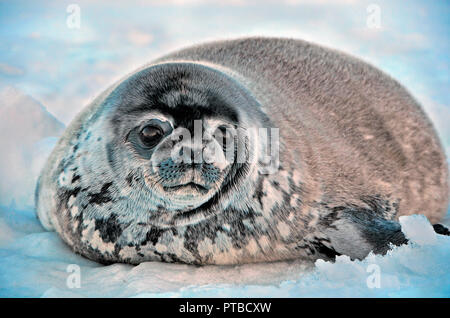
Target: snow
column 36, row 263
column 418, row 230
column 27, row 134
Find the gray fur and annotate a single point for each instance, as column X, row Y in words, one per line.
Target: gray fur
column 356, row 152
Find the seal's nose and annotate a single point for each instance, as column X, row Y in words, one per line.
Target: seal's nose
column 191, row 153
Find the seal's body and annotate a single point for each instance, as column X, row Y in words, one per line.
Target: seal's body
column 355, row 152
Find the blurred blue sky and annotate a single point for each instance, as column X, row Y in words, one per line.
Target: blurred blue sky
column 65, row 68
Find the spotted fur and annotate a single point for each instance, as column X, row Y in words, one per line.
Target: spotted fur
column 356, row 152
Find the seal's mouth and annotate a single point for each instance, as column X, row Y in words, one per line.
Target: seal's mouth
column 185, row 196
column 191, row 185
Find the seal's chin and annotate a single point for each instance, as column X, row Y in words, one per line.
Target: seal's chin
column 183, row 192
column 181, row 203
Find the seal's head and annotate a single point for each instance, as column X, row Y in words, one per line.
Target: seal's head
column 177, row 134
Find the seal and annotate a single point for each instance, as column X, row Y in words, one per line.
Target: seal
column 246, row 150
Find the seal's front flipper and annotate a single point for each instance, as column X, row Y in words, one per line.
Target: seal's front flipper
column 441, row 229
column 356, row 231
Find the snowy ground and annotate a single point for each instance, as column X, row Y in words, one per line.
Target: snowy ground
column 35, row 263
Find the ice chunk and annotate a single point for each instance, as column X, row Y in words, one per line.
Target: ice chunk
column 26, row 131
column 418, row 229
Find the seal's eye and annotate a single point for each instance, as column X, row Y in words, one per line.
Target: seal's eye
column 151, row 135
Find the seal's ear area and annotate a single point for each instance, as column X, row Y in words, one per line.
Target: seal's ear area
column 356, row 231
